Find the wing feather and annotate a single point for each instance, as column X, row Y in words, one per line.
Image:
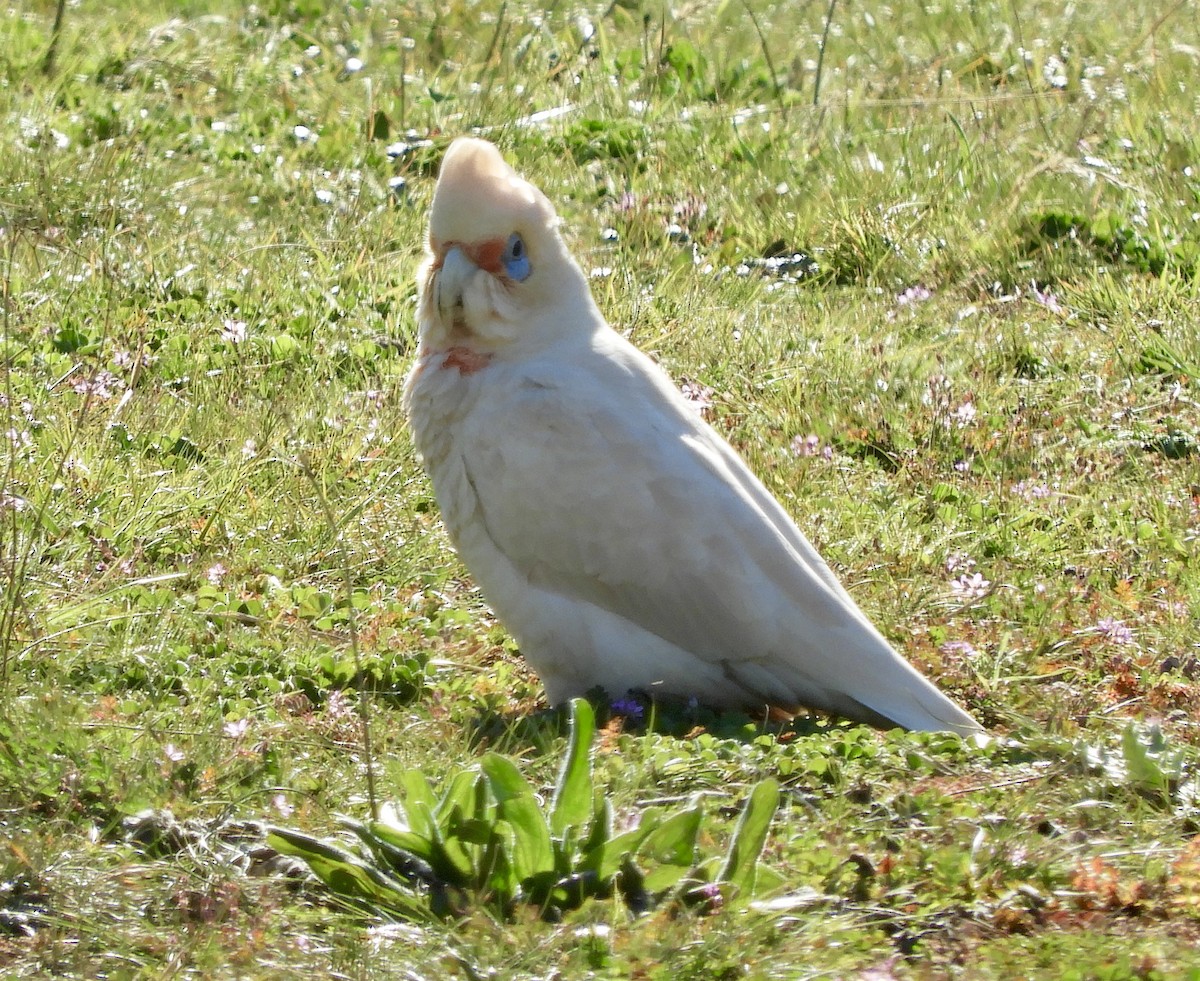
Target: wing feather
column 600, row 484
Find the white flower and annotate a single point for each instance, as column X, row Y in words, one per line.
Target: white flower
column 236, row 729
column 233, row 331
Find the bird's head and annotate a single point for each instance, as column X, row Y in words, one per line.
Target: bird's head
column 496, row 271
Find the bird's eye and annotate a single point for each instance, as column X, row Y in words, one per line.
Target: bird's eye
column 516, row 259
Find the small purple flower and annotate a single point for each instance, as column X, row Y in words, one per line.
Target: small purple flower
column 629, row 707
column 699, row 397
column 964, row 415
column 914, row 294
column 969, row 587
column 809, row 445
column 710, row 894
column 937, row 395
column 690, row 210
column 1115, row 631
column 338, row 705
column 1176, row 608
column 958, row 560
column 1032, row 492
column 12, row 503
column 101, row 385
column 959, row 648
column 1046, row 299
column 19, row 438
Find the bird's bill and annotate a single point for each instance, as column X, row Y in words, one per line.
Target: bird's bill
column 452, row 276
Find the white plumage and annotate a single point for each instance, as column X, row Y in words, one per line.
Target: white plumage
column 620, row 539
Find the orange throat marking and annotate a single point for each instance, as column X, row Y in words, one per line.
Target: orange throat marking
column 465, row 360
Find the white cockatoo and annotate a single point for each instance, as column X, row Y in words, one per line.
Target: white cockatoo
column 620, row 539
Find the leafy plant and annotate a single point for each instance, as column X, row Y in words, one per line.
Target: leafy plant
column 1147, row 763
column 1112, row 236
column 486, row 839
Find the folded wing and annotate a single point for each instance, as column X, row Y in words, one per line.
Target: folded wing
column 599, row 483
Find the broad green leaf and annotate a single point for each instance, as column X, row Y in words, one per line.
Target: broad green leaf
column 674, row 841
column 1143, row 768
column 606, row 858
column 601, row 827
column 532, row 849
column 498, row 874
column 451, row 860
column 664, row 877
column 347, row 874
column 685, row 58
column 768, row 881
column 504, row 779
column 417, row 807
column 369, row 836
column 475, row 832
column 460, row 792
column 397, row 837
column 475, row 823
column 748, row 839
column 456, row 852
column 288, row 842
column 391, row 857
column 573, row 794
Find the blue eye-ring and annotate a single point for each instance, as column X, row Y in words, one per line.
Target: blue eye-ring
column 516, row 259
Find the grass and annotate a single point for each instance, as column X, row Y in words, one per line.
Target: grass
column 984, row 365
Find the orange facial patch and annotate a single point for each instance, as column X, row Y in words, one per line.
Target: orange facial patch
column 486, row 254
